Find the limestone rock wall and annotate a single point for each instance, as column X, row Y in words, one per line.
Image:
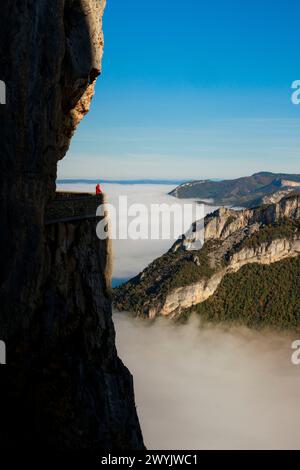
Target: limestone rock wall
column 185, row 297
column 223, row 222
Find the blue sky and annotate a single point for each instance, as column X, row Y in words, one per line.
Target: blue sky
column 193, row 89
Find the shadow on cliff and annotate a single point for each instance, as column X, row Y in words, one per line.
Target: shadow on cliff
column 64, row 386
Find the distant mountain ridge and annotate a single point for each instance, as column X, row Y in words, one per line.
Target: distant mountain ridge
column 246, row 191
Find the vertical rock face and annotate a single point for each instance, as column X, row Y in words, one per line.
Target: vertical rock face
column 63, row 385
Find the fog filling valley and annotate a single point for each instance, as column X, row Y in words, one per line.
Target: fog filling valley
column 200, row 386
column 210, row 387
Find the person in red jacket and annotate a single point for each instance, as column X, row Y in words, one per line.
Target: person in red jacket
column 98, row 189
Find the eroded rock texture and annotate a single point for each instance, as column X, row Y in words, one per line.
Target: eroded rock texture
column 63, row 386
column 184, row 277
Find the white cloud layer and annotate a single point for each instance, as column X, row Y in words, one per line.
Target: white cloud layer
column 210, row 387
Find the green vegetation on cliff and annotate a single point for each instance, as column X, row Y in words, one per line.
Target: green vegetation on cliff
column 257, row 296
column 285, row 229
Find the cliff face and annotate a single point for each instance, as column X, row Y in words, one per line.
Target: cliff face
column 63, row 385
column 188, row 296
column 224, row 222
column 181, row 279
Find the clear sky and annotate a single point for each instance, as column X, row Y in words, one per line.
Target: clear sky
column 193, row 89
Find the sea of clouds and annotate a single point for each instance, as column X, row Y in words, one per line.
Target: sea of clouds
column 208, row 387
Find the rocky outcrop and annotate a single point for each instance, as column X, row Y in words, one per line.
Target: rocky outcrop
column 277, row 196
column 187, row 296
column 223, row 222
column 289, row 183
column 64, row 386
column 233, row 239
